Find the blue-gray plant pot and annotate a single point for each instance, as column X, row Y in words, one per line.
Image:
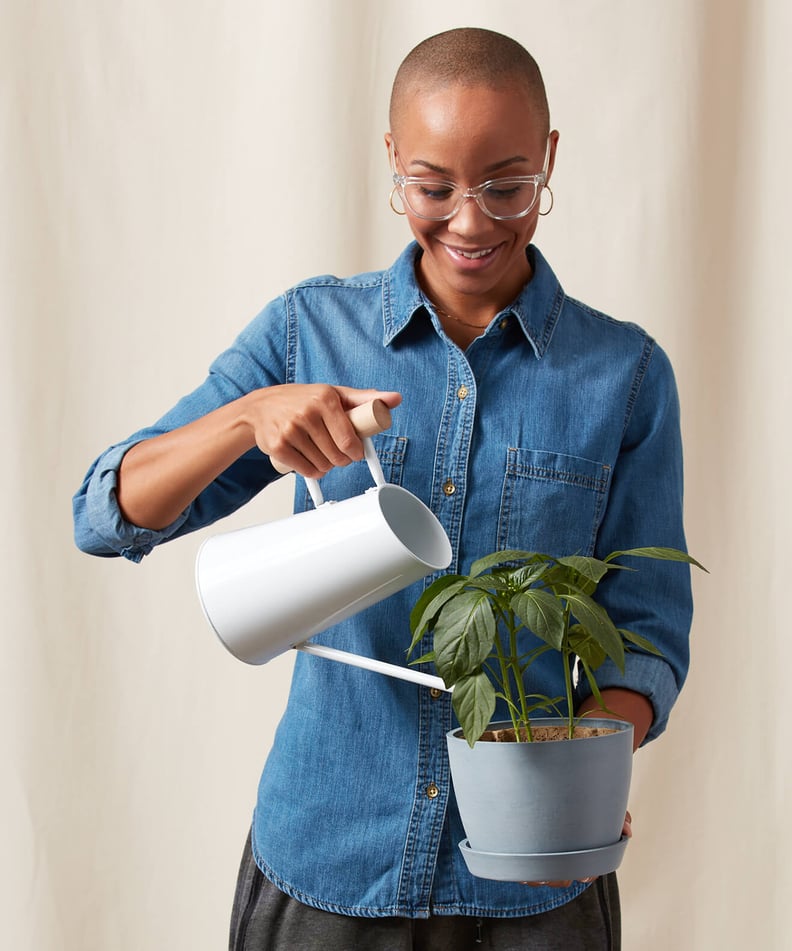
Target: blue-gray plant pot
column 566, row 799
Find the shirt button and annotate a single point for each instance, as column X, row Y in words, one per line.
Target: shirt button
column 432, row 792
column 435, row 693
column 448, row 487
column 462, row 392
column 504, row 323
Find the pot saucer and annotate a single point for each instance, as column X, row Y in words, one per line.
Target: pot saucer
column 543, row 866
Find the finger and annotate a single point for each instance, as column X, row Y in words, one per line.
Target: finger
column 345, row 419
column 627, row 827
column 339, row 441
column 335, row 442
column 553, row 884
column 314, row 433
column 292, row 460
column 316, row 438
column 365, row 419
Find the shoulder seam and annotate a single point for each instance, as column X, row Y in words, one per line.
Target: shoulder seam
column 606, row 318
column 640, row 374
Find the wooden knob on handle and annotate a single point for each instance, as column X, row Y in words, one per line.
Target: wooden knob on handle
column 367, row 420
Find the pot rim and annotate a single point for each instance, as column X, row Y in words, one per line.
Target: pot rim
column 620, row 726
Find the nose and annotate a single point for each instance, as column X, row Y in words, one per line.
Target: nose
column 470, row 219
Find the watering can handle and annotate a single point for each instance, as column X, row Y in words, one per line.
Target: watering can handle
column 367, row 420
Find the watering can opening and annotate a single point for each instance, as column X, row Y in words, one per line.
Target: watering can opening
column 414, row 525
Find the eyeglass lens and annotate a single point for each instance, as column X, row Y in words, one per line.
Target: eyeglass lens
column 506, row 198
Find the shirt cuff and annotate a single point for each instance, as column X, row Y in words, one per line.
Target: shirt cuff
column 649, row 676
column 104, row 515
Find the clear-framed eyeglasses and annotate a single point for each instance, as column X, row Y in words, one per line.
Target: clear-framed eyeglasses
column 499, row 198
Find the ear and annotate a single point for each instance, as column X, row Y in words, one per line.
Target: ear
column 553, row 147
column 388, row 142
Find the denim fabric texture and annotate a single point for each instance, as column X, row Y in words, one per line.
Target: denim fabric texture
column 557, row 430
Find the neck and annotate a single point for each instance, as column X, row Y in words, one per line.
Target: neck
column 472, row 311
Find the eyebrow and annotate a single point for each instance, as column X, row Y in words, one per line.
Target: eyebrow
column 496, row 167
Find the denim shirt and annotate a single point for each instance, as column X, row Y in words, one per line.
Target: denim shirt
column 557, row 430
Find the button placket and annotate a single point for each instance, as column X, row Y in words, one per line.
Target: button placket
column 447, row 501
column 459, row 424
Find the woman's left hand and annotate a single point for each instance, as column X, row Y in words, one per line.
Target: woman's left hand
column 626, row 830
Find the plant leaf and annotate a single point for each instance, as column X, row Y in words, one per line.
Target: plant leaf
column 495, row 582
column 463, row 635
column 541, row 613
column 585, row 647
column 604, row 708
column 592, row 682
column 560, row 581
column 427, row 658
column 428, row 605
column 504, row 557
column 529, row 574
column 639, row 641
column 595, row 621
column 473, row 700
column 592, row 568
column 661, row 554
column 553, row 706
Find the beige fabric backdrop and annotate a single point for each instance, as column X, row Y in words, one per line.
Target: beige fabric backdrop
column 166, row 170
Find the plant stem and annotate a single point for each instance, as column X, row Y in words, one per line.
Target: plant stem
column 565, row 652
column 514, row 662
column 504, row 667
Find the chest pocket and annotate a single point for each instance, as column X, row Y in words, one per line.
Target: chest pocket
column 345, row 481
column 551, row 502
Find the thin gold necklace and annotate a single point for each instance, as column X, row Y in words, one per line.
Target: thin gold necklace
column 465, row 323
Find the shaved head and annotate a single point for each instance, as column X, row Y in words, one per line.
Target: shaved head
column 468, row 57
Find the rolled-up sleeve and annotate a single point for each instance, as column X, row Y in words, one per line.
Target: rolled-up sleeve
column 99, row 526
column 258, row 358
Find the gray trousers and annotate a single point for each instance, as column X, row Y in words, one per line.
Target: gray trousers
column 264, row 919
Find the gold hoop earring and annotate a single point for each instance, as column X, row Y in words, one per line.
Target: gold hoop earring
column 394, row 209
column 552, row 201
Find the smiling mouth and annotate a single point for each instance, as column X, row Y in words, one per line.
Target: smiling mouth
column 473, row 255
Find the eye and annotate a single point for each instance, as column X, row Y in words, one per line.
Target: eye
column 435, row 191
column 506, row 190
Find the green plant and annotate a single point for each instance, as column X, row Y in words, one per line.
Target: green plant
column 476, row 620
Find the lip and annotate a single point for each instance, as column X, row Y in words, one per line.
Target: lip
column 460, row 256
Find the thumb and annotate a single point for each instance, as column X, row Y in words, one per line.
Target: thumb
column 627, row 828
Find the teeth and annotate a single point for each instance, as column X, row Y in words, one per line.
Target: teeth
column 472, row 255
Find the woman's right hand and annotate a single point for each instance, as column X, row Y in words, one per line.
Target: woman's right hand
column 303, row 425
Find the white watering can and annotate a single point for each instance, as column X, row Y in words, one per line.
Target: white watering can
column 269, row 588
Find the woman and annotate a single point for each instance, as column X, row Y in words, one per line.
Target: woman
column 525, row 420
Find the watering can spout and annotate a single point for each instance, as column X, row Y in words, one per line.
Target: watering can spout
column 378, row 666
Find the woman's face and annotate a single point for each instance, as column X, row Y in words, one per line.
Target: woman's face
column 469, row 135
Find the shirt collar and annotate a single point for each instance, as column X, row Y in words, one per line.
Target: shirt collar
column 537, row 307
